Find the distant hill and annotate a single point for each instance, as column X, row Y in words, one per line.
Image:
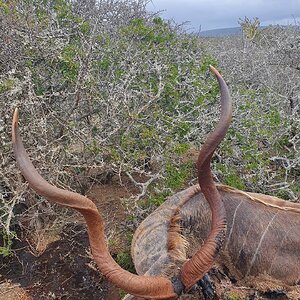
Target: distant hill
column 235, row 31
column 221, row 32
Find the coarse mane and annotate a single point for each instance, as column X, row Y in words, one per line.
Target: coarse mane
column 267, row 200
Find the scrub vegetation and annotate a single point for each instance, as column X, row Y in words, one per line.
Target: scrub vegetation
column 108, row 90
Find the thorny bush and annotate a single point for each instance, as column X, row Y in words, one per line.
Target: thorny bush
column 103, row 89
column 108, row 89
column 262, row 68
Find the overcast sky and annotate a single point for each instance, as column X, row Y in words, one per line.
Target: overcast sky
column 212, row 14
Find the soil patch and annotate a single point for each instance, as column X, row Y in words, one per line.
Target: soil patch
column 65, row 269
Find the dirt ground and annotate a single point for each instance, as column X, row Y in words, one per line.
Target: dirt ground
column 63, row 269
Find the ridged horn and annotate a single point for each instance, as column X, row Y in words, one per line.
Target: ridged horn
column 195, row 268
column 140, row 286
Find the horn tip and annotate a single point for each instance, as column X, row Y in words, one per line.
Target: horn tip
column 16, row 115
column 215, row 71
column 15, row 124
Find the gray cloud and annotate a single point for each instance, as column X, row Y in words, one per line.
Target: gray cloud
column 226, row 13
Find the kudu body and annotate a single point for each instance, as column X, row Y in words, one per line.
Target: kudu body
column 262, row 243
column 166, row 267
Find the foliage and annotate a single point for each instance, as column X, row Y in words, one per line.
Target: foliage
column 105, row 87
column 250, row 28
column 262, row 150
column 124, row 257
column 102, row 88
column 125, row 261
column 6, row 243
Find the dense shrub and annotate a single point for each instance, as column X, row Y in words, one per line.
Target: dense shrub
column 103, row 89
column 263, row 71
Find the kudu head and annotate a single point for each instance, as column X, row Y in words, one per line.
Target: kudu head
column 147, row 287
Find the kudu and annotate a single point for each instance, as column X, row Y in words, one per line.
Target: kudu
column 262, row 236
